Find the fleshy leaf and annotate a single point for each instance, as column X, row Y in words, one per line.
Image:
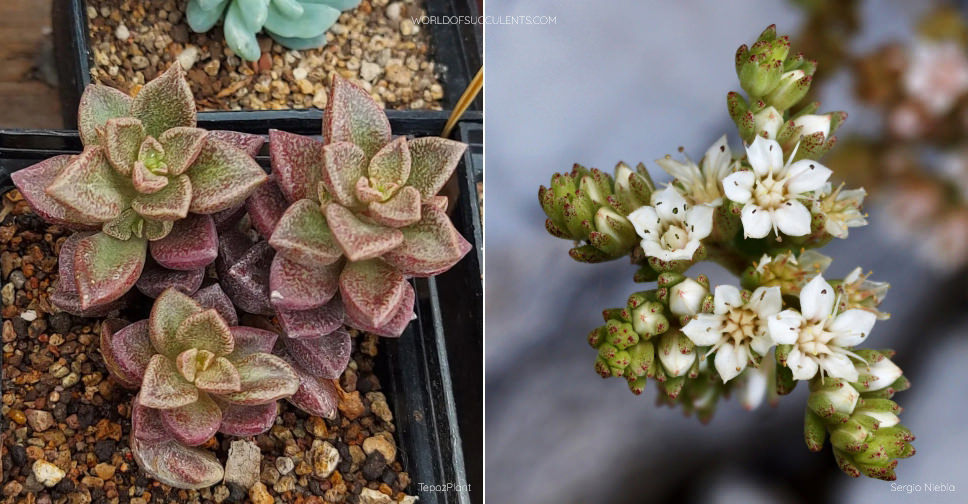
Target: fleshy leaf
column 163, row 386
column 155, row 279
column 204, row 330
column 343, row 165
column 145, row 181
column 403, row 209
column 360, row 240
column 247, row 142
column 122, row 141
column 126, row 224
column 156, row 230
column 65, row 295
column 265, row 378
column 324, row 356
column 194, row 423
column 398, row 322
column 167, row 314
column 312, row 323
column 192, row 244
column 146, row 424
column 316, row 396
column 293, row 286
column 177, row 465
column 430, row 247
column 225, row 219
column 297, row 162
column 213, row 297
column 90, row 187
column 265, row 207
column 126, row 351
column 106, row 268
column 390, row 166
column 372, row 291
column 317, row 16
column 182, row 146
column 222, row 177
column 433, row 162
column 244, row 274
column 165, row 102
column 239, row 420
column 187, row 362
column 303, row 236
column 220, row 378
column 352, row 116
column 250, row 340
column 33, row 181
column 97, row 105
column 168, row 203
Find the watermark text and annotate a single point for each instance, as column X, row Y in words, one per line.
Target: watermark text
column 491, row 20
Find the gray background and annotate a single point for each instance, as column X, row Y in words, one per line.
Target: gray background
column 633, row 80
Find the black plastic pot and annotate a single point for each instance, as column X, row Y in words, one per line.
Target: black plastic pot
column 413, row 370
column 458, row 51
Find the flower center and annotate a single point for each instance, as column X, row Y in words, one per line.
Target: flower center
column 814, row 338
column 740, row 324
column 769, row 193
column 674, row 238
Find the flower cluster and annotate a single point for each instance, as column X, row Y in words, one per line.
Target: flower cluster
column 762, row 216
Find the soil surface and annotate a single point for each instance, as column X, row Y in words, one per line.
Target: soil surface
column 60, row 406
column 377, row 45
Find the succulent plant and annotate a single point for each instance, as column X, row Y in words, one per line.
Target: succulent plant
column 296, row 24
column 198, row 374
column 147, row 179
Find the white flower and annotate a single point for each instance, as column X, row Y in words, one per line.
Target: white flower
column 821, row 337
column 671, row 228
column 755, row 384
column 735, row 328
column 767, row 121
column 770, row 193
column 702, row 185
column 937, row 76
column 842, row 209
column 685, row 297
column 812, row 123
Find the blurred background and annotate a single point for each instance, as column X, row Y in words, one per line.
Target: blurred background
column 633, row 80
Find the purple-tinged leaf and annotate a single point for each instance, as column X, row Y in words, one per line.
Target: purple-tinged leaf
column 164, row 387
column 314, row 322
column 303, row 236
column 33, row 181
column 155, row 279
column 146, row 424
column 222, row 177
column 239, row 420
column 390, row 166
column 316, row 396
column 156, row 230
column 397, row 323
column 225, row 219
column 187, row 362
column 403, row 209
column 434, row 161
column 371, row 291
column 167, row 314
column 297, row 162
column 265, row 207
column 366, row 194
column 192, row 244
column 360, row 240
column 177, row 465
column 90, row 188
column 165, row 102
column 97, row 105
column 106, row 268
column 325, row 356
column 430, row 247
column 245, row 279
column 126, row 351
column 194, row 423
column 250, row 340
column 220, row 378
column 169, row 203
column 293, row 286
column 247, row 142
column 213, row 297
column 204, row 330
column 122, row 141
column 65, row 295
column 352, row 116
column 182, row 146
column 145, row 181
column 265, row 378
column 343, row 165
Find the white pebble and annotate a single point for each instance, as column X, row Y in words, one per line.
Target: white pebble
column 300, row 73
column 122, row 32
column 47, row 474
column 188, row 57
column 370, row 71
column 29, row 315
column 393, row 11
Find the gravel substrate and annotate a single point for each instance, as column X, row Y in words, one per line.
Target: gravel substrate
column 67, row 423
column 375, row 44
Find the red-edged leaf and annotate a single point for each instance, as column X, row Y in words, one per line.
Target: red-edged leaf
column 191, row 244
column 245, row 275
column 433, row 162
column 146, row 424
column 430, row 247
column 312, row 323
column 371, row 291
column 97, row 105
column 165, row 102
column 324, row 356
column 122, row 141
column 344, row 164
column 250, row 340
column 169, row 203
column 91, row 188
column 106, row 268
column 126, row 224
column 265, row 207
column 144, row 180
column 155, row 279
column 167, row 314
column 302, row 235
column 293, row 286
column 438, row 201
column 360, row 240
column 65, row 295
column 403, row 209
column 156, row 230
column 194, row 423
column 33, row 181
column 177, row 465
column 220, row 378
column 352, row 116
column 316, row 396
column 265, row 378
column 390, row 166
column 213, row 297
column 204, row 330
column 397, row 323
column 297, row 163
column 239, row 420
column 187, row 362
column 222, row 177
column 126, row 351
column 164, row 387
column 182, row 146
column 247, row 142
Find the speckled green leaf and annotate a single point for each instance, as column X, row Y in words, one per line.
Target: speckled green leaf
column 220, row 378
column 433, row 162
column 156, row 230
column 204, row 330
column 98, row 104
column 293, row 286
column 33, row 181
column 182, row 146
column 352, row 116
column 106, row 268
column 429, row 247
column 297, row 164
column 302, row 236
column 403, row 209
column 343, row 165
column 122, row 141
column 247, row 142
column 164, row 387
column 91, row 188
column 167, row 314
column 165, row 102
column 125, row 225
column 390, row 166
column 146, row 181
column 360, row 240
column 194, row 423
column 169, row 204
column 371, row 290
column 265, row 378
column 126, row 351
column 222, row 177
column 177, row 465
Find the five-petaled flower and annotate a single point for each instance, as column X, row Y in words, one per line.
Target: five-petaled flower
column 702, row 184
column 671, row 229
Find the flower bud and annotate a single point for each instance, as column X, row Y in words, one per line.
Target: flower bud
column 832, row 399
column 686, row 297
column 877, row 373
column 648, row 319
column 677, row 353
column 812, row 123
column 768, row 122
column 790, row 89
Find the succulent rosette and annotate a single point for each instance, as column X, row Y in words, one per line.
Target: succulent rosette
column 148, row 180
column 198, row 374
